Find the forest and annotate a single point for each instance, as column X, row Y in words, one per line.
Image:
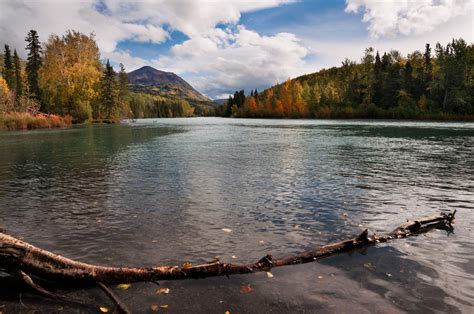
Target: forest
column 422, row 85
column 65, row 80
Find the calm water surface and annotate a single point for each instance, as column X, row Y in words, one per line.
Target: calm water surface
column 161, row 191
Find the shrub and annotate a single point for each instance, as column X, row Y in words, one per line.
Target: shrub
column 24, row 120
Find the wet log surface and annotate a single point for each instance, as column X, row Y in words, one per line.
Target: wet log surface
column 29, row 263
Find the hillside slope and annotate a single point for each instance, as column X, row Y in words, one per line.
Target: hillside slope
column 155, row 82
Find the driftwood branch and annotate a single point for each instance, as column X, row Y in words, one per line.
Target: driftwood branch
column 21, row 259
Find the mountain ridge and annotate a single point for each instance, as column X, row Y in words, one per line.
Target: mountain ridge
column 149, row 80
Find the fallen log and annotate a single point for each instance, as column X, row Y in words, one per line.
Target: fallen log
column 25, row 261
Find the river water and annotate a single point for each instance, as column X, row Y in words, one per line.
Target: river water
column 169, row 191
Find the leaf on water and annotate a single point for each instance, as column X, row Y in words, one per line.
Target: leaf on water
column 104, row 309
column 269, row 274
column 388, row 275
column 124, row 286
column 246, row 289
column 226, row 230
column 320, row 277
column 261, row 242
column 164, row 306
column 187, row 265
column 163, row 291
column 234, row 257
column 369, row 266
column 154, row 308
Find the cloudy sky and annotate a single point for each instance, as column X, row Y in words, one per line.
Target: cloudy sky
column 223, row 45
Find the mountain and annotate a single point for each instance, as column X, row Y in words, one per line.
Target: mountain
column 155, row 82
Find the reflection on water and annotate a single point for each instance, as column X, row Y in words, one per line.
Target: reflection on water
column 160, row 191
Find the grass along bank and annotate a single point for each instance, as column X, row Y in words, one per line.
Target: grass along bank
column 25, row 120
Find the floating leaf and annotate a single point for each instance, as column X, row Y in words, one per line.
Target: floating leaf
column 187, row 265
column 164, row 306
column 388, row 275
column 154, row 307
column 369, row 266
column 104, row 309
column 234, row 257
column 246, row 289
column 269, row 274
column 226, row 230
column 124, row 286
column 163, row 291
column 261, row 242
column 320, row 277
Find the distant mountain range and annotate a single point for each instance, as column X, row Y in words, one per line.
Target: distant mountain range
column 155, row 82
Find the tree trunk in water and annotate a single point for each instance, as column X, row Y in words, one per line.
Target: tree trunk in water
column 25, row 261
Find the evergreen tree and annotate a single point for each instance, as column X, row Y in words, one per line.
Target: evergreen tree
column 124, row 91
column 33, row 64
column 230, row 102
column 17, row 75
column 408, row 78
column 427, row 69
column 377, row 93
column 8, row 70
column 109, row 94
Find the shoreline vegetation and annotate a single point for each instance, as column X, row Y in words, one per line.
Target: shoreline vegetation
column 421, row 85
column 64, row 82
column 28, row 121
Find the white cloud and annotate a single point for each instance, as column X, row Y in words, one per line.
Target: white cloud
column 56, row 16
column 238, row 59
column 332, row 53
column 407, row 17
column 220, row 55
column 214, row 59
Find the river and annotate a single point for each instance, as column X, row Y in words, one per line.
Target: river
column 169, row 191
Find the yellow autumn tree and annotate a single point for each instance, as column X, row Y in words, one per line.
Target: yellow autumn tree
column 285, row 98
column 298, row 109
column 6, row 97
column 250, row 107
column 268, row 102
column 70, row 74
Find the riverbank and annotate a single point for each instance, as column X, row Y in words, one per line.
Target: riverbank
column 24, row 121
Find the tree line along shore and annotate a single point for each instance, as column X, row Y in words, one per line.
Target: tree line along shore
column 64, row 81
column 422, row 86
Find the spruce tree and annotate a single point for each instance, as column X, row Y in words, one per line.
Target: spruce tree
column 17, row 75
column 123, row 87
column 8, row 72
column 427, row 69
column 33, row 64
column 109, row 93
